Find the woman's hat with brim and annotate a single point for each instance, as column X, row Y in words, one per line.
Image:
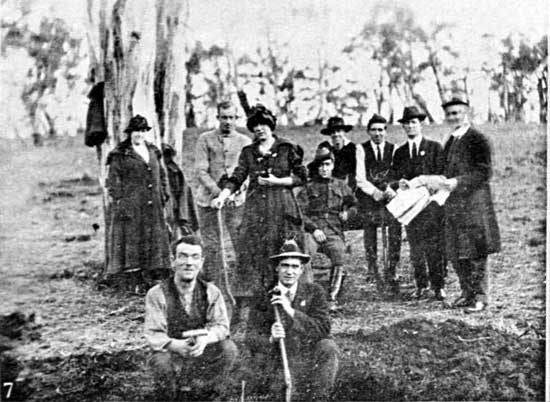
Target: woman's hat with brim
column 137, row 123
column 335, row 123
column 261, row 115
column 455, row 100
column 411, row 112
column 290, row 249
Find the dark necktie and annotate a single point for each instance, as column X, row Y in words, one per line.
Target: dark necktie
column 415, row 151
column 378, row 154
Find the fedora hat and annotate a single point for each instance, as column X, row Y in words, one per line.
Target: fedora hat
column 376, row 118
column 455, row 100
column 335, row 123
column 290, row 249
column 137, row 123
column 261, row 115
column 411, row 112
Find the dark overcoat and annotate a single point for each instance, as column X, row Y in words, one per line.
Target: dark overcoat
column 311, row 322
column 138, row 235
column 271, row 213
column 471, row 229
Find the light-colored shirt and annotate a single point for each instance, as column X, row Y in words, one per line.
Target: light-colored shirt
column 375, row 149
column 360, row 172
column 142, row 151
column 459, row 132
column 415, row 140
column 156, row 324
column 217, row 155
column 290, row 292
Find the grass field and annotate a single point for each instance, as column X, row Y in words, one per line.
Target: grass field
column 86, row 344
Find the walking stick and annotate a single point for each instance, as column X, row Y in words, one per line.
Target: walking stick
column 284, row 358
column 384, row 228
column 224, row 262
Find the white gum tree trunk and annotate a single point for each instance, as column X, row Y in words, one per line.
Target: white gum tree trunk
column 138, row 48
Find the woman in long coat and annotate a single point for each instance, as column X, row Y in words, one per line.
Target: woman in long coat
column 137, row 186
column 273, row 166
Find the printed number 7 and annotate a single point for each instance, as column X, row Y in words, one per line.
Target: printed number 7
column 10, row 387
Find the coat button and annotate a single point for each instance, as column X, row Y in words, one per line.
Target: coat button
column 149, row 169
column 149, row 202
column 150, row 186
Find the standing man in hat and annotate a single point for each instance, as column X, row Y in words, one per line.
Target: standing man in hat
column 187, row 328
column 422, row 156
column 342, row 148
column 216, row 156
column 471, row 229
column 374, row 162
column 305, row 328
column 326, row 203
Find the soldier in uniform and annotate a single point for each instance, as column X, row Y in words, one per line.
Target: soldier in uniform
column 326, row 203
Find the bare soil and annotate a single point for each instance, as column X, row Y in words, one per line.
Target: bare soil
column 75, row 341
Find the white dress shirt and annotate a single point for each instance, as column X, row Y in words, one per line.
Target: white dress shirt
column 415, row 140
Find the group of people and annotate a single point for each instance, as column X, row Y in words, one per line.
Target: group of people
column 277, row 213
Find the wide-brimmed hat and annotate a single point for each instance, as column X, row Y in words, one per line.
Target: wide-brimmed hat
column 335, row 123
column 455, row 100
column 376, row 118
column 137, row 123
column 261, row 115
column 411, row 112
column 290, row 249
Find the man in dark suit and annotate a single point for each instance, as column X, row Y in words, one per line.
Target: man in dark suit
column 422, row 156
column 471, row 229
column 373, row 173
column 305, row 328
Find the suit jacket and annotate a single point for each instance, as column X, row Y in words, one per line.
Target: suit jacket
column 378, row 173
column 429, row 161
column 471, row 229
column 311, row 322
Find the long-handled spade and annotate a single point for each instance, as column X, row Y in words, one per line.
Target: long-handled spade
column 284, row 358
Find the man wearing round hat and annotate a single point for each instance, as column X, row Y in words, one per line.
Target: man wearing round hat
column 374, row 161
column 304, row 326
column 342, row 148
column 326, row 203
column 422, row 156
column 471, row 229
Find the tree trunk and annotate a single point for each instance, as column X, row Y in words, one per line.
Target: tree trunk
column 542, row 89
column 130, row 42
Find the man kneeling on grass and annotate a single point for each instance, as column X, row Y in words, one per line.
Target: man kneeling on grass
column 304, row 325
column 187, row 327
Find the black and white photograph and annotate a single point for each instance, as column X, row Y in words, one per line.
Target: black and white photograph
column 280, row 201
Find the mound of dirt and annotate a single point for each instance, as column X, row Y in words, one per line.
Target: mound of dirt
column 416, row 359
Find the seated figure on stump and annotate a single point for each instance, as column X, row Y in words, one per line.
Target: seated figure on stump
column 187, row 327
column 304, row 325
column 326, row 203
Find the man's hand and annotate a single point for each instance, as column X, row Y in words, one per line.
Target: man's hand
column 277, row 331
column 220, row 199
column 389, row 193
column 343, row 216
column 404, row 184
column 319, row 236
column 284, row 302
column 180, row 346
column 378, row 195
column 197, row 348
column 450, row 184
